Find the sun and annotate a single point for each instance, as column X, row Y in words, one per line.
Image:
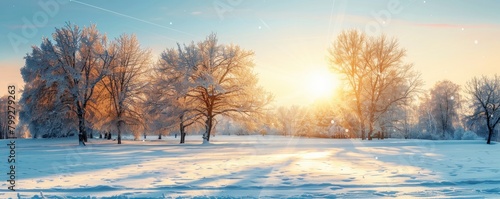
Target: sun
column 321, row 84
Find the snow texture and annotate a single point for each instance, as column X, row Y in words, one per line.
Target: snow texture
column 255, row 167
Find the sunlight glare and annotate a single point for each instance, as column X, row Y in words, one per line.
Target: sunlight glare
column 321, row 84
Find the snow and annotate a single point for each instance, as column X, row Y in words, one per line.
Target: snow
column 254, row 167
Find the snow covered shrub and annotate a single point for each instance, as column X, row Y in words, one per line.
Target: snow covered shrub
column 414, row 132
column 398, row 135
column 435, row 136
column 425, row 136
column 430, row 136
column 449, row 136
column 457, row 135
column 469, row 135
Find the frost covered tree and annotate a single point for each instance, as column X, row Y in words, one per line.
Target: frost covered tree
column 45, row 114
column 216, row 79
column 291, row 119
column 70, row 66
column 444, row 105
column 426, row 121
column 168, row 113
column 485, row 101
column 374, row 70
column 167, row 100
column 345, row 122
column 345, row 57
column 121, row 90
column 4, row 126
column 325, row 117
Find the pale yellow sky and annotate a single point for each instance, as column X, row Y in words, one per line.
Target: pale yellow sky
column 444, row 40
column 438, row 53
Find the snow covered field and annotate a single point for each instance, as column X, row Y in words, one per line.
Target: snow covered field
column 254, row 167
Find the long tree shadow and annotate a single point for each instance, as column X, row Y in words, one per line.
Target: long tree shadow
column 254, row 178
column 251, row 180
column 63, row 157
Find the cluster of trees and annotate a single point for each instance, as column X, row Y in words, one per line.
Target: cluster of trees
column 485, row 104
column 323, row 119
column 440, row 113
column 4, row 114
column 198, row 83
column 382, row 97
column 377, row 80
column 80, row 80
column 384, row 91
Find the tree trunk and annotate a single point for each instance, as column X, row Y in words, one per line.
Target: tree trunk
column 80, row 138
column 208, row 129
column 371, row 121
column 359, row 113
column 183, row 137
column 81, row 128
column 159, row 136
column 109, row 136
column 363, row 130
column 119, row 132
column 490, row 133
column 362, row 126
column 183, row 133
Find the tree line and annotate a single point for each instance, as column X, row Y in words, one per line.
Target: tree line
column 80, row 82
column 381, row 92
column 382, row 97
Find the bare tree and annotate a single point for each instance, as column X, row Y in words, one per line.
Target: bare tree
column 377, row 77
column 124, row 86
column 485, row 101
column 345, row 57
column 391, row 82
column 221, row 81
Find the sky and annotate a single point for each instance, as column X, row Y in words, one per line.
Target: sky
column 454, row 40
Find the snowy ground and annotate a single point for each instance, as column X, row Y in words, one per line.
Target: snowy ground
column 254, row 167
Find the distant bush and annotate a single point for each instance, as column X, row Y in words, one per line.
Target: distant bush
column 458, row 134
column 469, row 135
column 424, row 136
column 435, row 136
column 241, row 131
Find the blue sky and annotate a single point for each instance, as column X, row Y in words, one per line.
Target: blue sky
column 444, row 39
